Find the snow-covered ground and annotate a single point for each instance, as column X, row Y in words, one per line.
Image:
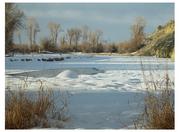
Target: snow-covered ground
column 107, row 91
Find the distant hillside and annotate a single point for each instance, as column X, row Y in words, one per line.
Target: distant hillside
column 161, row 42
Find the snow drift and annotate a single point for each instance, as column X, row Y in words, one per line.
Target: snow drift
column 67, row 74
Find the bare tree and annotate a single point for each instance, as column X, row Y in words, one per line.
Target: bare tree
column 77, row 35
column 32, row 29
column 70, row 33
column 94, row 38
column 18, row 34
column 138, row 32
column 35, row 31
column 54, row 30
column 85, row 31
column 63, row 39
column 98, row 34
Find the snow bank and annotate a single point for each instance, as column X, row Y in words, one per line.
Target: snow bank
column 113, row 96
column 116, row 80
column 67, row 74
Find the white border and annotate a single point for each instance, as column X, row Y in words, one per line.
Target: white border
column 177, row 51
column 90, row 1
column 2, row 65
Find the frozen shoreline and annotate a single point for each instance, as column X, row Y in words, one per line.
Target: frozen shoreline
column 107, row 91
column 87, row 61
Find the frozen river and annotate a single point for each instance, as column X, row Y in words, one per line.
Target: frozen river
column 107, row 91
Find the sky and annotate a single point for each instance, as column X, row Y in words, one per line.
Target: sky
column 114, row 19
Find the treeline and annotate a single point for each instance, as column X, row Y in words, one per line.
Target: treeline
column 83, row 39
column 75, row 39
column 47, row 46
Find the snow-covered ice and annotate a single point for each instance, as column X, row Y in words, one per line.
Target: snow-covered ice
column 67, row 74
column 107, row 91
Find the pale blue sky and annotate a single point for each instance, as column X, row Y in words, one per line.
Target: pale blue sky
column 113, row 19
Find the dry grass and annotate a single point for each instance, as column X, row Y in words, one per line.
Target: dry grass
column 23, row 112
column 159, row 111
column 158, row 105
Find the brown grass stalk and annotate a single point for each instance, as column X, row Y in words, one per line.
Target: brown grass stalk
column 22, row 112
column 158, row 104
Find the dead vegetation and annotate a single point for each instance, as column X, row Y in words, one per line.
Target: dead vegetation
column 158, row 110
column 25, row 111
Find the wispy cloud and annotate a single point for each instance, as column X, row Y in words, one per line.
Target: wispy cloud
column 66, row 14
column 113, row 19
column 75, row 15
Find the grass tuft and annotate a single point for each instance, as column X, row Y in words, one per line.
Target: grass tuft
column 158, row 105
column 25, row 112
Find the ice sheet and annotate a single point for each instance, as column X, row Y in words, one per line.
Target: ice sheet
column 106, row 91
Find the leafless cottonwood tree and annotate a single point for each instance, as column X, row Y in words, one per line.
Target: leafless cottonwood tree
column 74, row 35
column 63, row 39
column 54, row 31
column 85, row 31
column 18, row 34
column 138, row 34
column 94, row 38
column 32, row 30
column 77, row 35
column 70, row 34
column 98, row 34
column 35, row 31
